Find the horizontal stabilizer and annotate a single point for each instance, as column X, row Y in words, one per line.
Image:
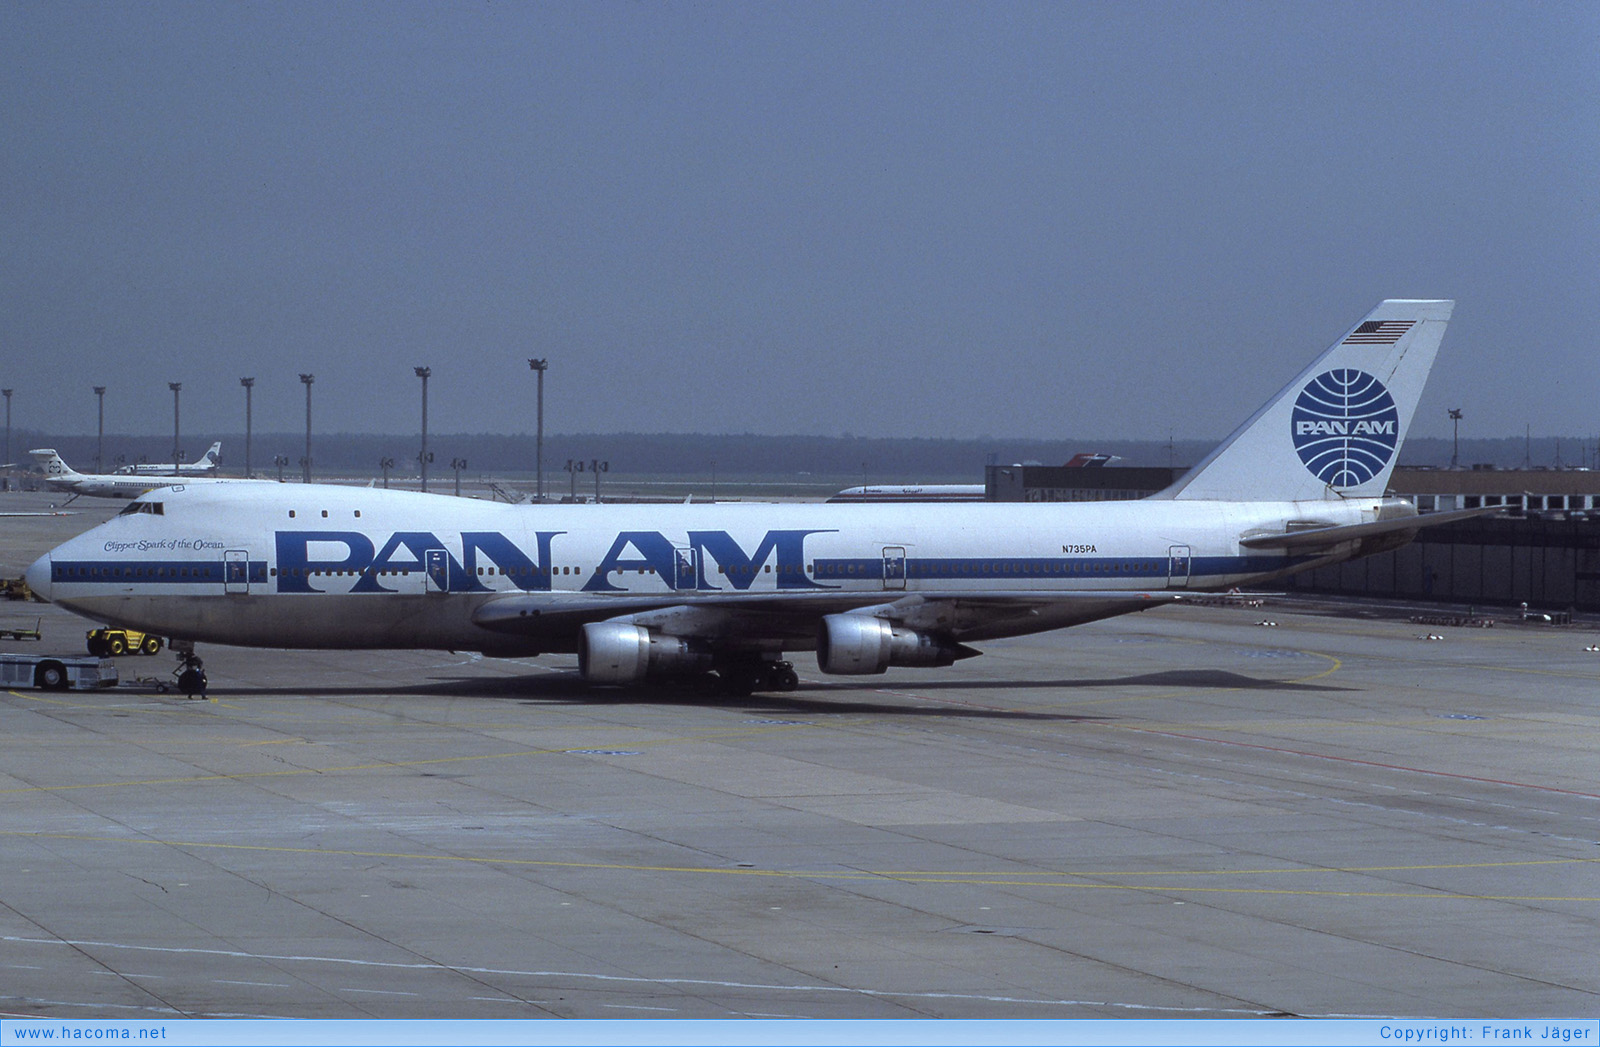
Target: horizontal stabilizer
column 1322, row 537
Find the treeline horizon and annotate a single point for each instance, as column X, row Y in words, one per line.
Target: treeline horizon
column 877, row 459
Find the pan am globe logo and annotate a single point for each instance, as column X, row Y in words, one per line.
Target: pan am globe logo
column 1345, row 427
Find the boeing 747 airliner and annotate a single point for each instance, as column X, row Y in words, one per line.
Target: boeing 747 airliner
column 642, row 592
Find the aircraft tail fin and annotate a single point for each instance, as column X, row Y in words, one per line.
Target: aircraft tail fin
column 213, row 454
column 51, row 462
column 1335, row 431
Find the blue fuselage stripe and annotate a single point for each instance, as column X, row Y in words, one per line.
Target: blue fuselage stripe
column 957, row 568
column 827, row 571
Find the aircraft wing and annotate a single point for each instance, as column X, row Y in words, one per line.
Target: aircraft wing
column 790, row 619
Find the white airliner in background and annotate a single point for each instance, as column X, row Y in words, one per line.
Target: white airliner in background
column 62, row 477
column 641, row 592
column 205, row 466
column 910, row 493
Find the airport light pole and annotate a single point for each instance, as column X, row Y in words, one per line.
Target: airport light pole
column 176, row 388
column 7, row 393
column 100, row 441
column 280, row 461
column 306, row 461
column 597, row 467
column 249, row 387
column 458, row 464
column 573, row 469
column 424, row 373
column 386, row 464
column 539, row 366
column 1455, row 452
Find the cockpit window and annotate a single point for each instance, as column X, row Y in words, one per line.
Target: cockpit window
column 153, row 508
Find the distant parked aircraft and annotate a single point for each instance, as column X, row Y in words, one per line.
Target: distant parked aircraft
column 207, row 464
column 63, row 477
column 911, row 493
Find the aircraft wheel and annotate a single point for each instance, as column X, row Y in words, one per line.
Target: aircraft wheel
column 191, row 681
column 783, row 678
column 116, row 645
column 150, row 646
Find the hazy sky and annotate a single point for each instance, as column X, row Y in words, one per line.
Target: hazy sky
column 1044, row 220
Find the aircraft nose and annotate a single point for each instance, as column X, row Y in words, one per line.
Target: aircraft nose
column 38, row 577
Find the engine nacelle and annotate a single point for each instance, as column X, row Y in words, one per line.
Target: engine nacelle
column 619, row 653
column 859, row 645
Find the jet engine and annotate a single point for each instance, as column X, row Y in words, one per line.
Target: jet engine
column 619, row 653
column 859, row 645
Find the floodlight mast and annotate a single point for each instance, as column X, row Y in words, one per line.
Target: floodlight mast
column 100, row 441
column 176, row 387
column 7, row 393
column 424, row 373
column 539, row 366
column 305, row 463
column 249, row 386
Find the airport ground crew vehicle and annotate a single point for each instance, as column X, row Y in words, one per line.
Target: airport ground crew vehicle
column 109, row 642
column 51, row 673
column 23, row 634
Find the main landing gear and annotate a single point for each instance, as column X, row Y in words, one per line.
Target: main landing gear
column 746, row 676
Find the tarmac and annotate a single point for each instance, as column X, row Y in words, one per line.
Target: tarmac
column 1200, row 811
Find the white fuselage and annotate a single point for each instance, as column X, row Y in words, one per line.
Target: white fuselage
column 327, row 566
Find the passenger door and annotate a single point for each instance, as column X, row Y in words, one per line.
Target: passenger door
column 894, row 567
column 236, row 571
column 687, row 564
column 1178, row 565
column 436, row 568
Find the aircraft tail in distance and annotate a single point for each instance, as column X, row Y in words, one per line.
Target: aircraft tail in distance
column 51, row 462
column 1335, row 431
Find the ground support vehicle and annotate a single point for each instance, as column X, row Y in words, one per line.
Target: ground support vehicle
column 110, row 642
column 22, row 634
column 54, row 673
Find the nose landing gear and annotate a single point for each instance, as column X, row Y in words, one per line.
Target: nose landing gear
column 191, row 674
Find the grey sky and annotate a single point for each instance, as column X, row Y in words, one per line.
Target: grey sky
column 889, row 219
